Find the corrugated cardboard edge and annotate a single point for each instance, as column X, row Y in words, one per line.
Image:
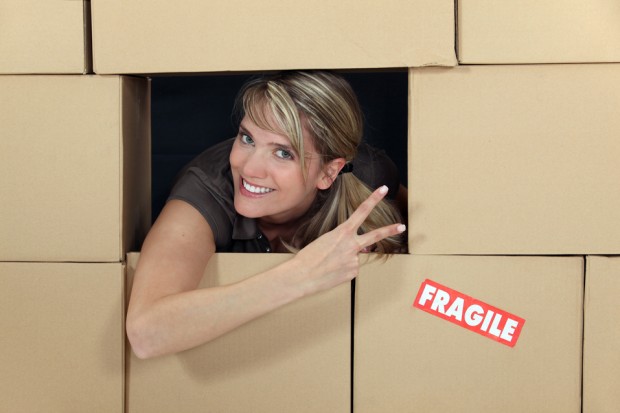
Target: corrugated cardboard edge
column 135, row 162
column 124, row 342
column 130, row 268
column 584, row 349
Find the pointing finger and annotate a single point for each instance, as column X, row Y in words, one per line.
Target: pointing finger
column 378, row 234
column 358, row 217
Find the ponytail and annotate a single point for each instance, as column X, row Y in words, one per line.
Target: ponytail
column 335, row 205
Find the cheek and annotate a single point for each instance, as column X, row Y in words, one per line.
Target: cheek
column 296, row 185
column 235, row 157
column 291, row 174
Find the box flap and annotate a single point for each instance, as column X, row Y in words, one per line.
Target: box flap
column 409, row 360
column 160, row 37
column 515, row 159
column 43, row 36
column 531, row 31
column 296, row 358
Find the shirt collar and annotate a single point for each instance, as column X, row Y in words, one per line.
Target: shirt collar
column 245, row 228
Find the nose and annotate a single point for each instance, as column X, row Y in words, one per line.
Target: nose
column 255, row 165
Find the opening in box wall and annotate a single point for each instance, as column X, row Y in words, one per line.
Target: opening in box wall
column 192, row 113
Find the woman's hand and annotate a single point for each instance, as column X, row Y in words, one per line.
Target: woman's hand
column 333, row 258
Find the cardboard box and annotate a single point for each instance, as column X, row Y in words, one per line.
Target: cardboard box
column 601, row 361
column 143, row 36
column 406, row 359
column 61, row 348
column 74, row 167
column 515, row 160
column 45, row 36
column 295, row 359
column 530, row 31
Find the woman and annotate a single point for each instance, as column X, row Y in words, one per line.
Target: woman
column 282, row 184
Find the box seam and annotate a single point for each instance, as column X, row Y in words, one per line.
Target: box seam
column 88, row 44
column 352, row 354
column 586, row 263
column 121, row 167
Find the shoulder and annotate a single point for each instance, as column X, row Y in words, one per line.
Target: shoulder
column 213, row 158
column 206, row 184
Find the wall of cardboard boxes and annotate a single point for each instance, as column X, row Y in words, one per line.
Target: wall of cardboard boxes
column 514, row 199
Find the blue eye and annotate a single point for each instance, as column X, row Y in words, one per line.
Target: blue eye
column 246, row 139
column 284, row 154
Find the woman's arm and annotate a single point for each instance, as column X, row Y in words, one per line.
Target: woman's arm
column 168, row 314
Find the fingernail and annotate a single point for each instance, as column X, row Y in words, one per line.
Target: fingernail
column 383, row 190
column 401, row 228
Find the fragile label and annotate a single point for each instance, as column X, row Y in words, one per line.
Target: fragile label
column 469, row 313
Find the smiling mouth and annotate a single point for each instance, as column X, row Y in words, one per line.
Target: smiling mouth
column 255, row 189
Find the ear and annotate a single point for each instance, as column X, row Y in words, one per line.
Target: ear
column 330, row 173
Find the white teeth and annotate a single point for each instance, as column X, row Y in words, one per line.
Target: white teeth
column 255, row 189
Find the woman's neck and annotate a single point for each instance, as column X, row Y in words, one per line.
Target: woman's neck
column 276, row 233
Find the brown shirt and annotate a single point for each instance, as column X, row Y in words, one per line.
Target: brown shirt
column 206, row 184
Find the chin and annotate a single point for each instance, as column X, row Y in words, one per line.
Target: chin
column 248, row 212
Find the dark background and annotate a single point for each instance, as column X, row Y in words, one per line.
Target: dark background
column 191, row 113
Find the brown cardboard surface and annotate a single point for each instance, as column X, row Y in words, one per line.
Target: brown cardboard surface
column 530, row 31
column 71, row 147
column 44, row 36
column 145, row 36
column 61, row 347
column 408, row 360
column 601, row 364
column 296, row 359
column 515, row 160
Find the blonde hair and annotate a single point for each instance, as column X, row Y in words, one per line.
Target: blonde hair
column 327, row 106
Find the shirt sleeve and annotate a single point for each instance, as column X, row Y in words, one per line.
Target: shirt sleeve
column 206, row 184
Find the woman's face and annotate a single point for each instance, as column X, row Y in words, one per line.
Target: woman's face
column 268, row 181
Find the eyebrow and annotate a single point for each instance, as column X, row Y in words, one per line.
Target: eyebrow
column 286, row 147
column 243, row 129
